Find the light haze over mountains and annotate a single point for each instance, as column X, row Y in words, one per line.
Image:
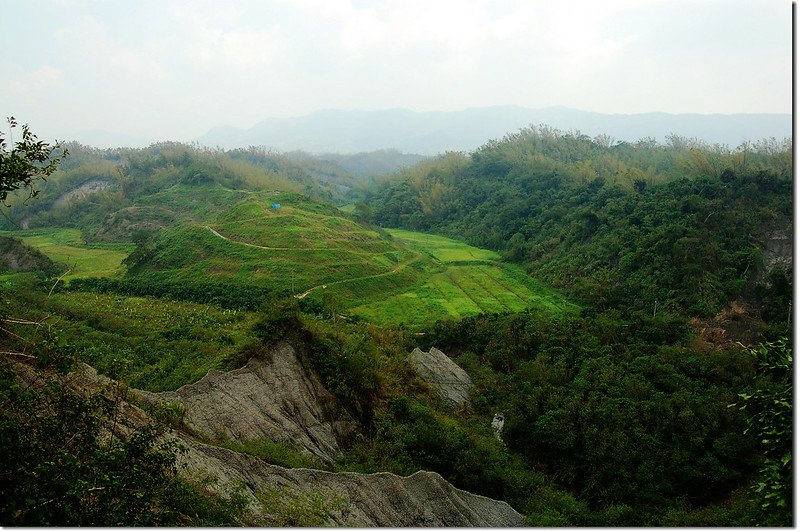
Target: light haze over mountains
column 428, row 133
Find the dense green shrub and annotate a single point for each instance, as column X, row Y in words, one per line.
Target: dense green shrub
column 59, row 471
column 768, row 405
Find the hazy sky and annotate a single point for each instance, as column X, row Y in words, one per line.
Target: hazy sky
column 164, row 69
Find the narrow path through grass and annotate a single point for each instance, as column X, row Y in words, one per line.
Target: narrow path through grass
column 223, row 237
column 374, row 276
column 269, row 248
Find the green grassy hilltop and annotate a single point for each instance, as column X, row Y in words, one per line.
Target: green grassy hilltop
column 313, row 252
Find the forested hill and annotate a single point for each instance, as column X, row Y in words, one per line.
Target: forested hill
column 676, row 227
column 93, row 183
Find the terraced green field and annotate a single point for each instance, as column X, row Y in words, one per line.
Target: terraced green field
column 470, row 281
column 66, row 246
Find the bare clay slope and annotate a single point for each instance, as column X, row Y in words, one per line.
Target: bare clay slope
column 445, row 376
column 270, row 397
column 423, row 499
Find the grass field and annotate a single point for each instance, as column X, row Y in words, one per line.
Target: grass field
column 66, row 246
column 256, row 223
column 196, row 252
column 197, row 203
column 300, row 247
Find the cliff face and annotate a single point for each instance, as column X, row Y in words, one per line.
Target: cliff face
column 271, row 397
column 740, row 322
column 263, row 396
column 92, row 186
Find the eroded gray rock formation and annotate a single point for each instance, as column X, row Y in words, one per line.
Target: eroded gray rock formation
column 443, row 375
column 272, row 397
column 423, row 499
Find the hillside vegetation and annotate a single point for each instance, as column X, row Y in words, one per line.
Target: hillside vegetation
column 646, row 236
column 93, row 184
column 79, row 259
column 618, row 411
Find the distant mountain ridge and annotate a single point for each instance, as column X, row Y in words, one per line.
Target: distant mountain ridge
column 428, row 133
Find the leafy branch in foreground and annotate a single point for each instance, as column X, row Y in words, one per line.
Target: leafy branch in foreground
column 28, row 160
column 769, row 409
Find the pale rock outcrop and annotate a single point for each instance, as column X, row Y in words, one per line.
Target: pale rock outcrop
column 271, row 397
column 777, row 249
column 92, row 186
column 443, row 375
column 498, row 422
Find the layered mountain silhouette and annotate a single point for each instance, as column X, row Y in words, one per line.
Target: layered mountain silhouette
column 433, row 132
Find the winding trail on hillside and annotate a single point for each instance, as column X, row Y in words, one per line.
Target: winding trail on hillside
column 223, row 237
column 398, row 268
column 268, row 248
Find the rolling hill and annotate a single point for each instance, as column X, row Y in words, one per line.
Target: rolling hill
column 183, row 263
column 314, row 252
